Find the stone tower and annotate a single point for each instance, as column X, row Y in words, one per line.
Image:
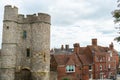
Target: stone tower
column 25, row 46
column 9, row 44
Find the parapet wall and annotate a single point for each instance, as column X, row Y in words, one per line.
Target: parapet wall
column 40, row 17
column 11, row 14
column 10, row 6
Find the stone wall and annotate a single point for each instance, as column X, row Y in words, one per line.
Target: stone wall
column 14, row 45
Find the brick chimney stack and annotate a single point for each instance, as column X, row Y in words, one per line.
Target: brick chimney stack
column 94, row 42
column 111, row 46
column 62, row 47
column 76, row 47
column 66, row 47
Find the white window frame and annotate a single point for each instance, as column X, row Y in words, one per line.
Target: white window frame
column 108, row 58
column 100, row 67
column 109, row 66
column 69, row 67
column 89, row 68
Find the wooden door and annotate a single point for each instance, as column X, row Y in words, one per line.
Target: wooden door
column 25, row 74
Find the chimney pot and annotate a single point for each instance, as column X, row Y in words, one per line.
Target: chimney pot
column 94, row 42
column 62, row 47
column 76, row 45
column 111, row 46
column 66, row 47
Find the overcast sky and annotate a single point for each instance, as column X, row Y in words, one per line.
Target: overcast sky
column 73, row 21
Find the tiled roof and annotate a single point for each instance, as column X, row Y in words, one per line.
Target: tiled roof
column 60, row 59
column 101, row 53
column 67, row 59
column 85, row 60
column 59, row 51
column 70, row 61
column 76, row 60
column 98, row 48
column 81, row 51
column 83, row 56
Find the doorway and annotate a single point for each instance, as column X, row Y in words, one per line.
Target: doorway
column 26, row 74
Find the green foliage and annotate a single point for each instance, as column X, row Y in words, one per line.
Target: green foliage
column 65, row 79
column 116, row 12
column 117, row 39
column 116, row 15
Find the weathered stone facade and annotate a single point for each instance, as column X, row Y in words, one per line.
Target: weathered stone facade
column 25, row 45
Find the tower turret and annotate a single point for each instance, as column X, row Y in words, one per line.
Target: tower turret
column 41, row 47
column 9, row 43
column 10, row 13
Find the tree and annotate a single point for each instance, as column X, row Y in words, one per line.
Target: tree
column 116, row 15
column 65, row 79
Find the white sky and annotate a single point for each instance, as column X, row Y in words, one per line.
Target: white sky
column 73, row 21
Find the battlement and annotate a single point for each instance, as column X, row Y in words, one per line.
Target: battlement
column 32, row 18
column 10, row 6
column 10, row 13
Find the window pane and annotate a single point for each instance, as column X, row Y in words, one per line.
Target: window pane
column 71, row 68
column 24, row 34
column 67, row 68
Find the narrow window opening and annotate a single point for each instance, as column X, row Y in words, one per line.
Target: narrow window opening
column 90, row 68
column 24, row 34
column 7, row 27
column 100, row 67
column 44, row 57
column 27, row 52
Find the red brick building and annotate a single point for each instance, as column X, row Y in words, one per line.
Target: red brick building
column 85, row 63
column 67, row 66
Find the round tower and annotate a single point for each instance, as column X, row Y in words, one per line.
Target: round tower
column 41, row 47
column 9, row 44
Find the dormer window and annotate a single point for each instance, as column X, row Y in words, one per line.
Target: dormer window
column 70, row 68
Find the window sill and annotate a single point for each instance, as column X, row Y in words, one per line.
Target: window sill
column 70, row 71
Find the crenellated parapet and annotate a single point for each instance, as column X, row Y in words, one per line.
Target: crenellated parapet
column 10, row 6
column 10, row 13
column 35, row 18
